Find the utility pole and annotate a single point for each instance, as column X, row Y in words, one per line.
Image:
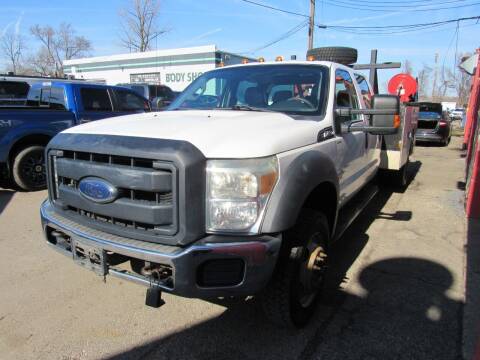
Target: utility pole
column 435, row 75
column 311, row 24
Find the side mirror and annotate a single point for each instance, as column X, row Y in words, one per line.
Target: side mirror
column 385, row 118
column 385, row 124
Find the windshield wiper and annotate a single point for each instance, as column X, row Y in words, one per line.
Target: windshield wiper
column 244, row 108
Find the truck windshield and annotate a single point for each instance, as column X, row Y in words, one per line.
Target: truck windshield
column 288, row 88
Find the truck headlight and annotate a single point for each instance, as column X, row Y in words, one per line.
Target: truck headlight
column 237, row 193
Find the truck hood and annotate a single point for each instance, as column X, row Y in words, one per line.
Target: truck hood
column 216, row 133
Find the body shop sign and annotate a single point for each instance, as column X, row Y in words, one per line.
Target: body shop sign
column 181, row 77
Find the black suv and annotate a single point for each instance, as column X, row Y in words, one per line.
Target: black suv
column 433, row 124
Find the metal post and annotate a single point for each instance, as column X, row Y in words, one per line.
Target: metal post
column 435, row 76
column 311, row 24
column 373, row 71
column 373, row 67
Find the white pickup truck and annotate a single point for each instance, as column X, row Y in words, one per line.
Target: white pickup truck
column 237, row 190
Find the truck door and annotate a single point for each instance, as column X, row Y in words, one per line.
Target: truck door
column 373, row 142
column 93, row 103
column 351, row 149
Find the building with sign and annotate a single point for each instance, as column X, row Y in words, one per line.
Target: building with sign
column 175, row 68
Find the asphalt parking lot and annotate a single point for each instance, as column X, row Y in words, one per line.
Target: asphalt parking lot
column 395, row 290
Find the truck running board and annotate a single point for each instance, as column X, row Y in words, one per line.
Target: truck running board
column 353, row 208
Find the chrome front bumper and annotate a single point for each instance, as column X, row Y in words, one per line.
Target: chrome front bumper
column 259, row 255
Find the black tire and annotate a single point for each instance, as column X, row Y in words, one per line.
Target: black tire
column 341, row 55
column 395, row 178
column 28, row 168
column 281, row 298
column 400, row 177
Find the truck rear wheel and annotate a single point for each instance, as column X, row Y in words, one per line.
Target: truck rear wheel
column 395, row 178
column 290, row 298
column 28, row 168
column 400, row 177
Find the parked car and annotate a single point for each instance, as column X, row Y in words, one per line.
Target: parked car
column 50, row 108
column 433, row 124
column 160, row 96
column 457, row 114
column 241, row 193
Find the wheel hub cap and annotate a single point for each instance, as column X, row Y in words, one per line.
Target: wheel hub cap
column 312, row 274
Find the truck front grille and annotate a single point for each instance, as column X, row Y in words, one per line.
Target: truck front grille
column 146, row 204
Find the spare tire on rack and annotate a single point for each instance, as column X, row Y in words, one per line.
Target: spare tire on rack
column 338, row 54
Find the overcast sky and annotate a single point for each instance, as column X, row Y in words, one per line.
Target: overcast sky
column 236, row 26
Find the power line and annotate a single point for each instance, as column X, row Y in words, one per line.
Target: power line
column 408, row 10
column 390, row 6
column 448, row 48
column 405, row 25
column 284, row 36
column 382, row 2
column 386, row 31
column 420, row 30
column 274, row 8
column 456, row 54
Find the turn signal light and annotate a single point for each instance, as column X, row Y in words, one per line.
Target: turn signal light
column 396, row 121
column 279, row 58
column 267, row 182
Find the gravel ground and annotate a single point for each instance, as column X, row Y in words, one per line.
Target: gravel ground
column 395, row 290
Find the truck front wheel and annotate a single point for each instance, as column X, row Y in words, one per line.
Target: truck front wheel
column 28, row 168
column 290, row 298
column 400, row 177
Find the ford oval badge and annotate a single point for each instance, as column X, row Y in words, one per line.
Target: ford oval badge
column 97, row 190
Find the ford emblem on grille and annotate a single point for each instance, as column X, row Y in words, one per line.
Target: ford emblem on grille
column 97, row 190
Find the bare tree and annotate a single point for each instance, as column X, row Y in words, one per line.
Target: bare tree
column 139, row 25
column 57, row 45
column 12, row 45
column 41, row 63
column 463, row 88
column 407, row 67
column 424, row 80
column 447, row 81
